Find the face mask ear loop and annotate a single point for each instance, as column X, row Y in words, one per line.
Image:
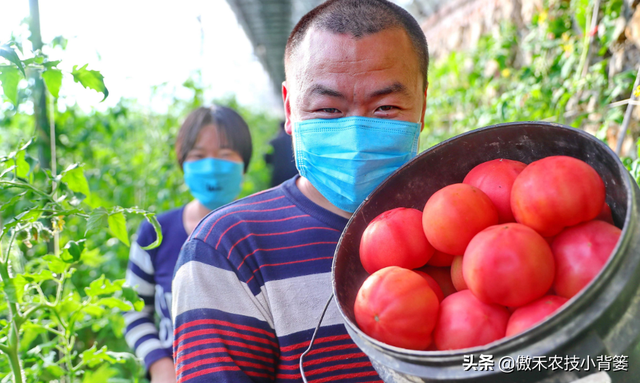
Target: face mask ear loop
column 313, row 338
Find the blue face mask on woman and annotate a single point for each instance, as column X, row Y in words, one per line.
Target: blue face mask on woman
column 345, row 159
column 212, row 181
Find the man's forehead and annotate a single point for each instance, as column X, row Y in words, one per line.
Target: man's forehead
column 324, row 50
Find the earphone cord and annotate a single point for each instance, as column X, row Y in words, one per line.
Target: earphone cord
column 313, row 338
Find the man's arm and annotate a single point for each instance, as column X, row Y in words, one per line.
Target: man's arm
column 223, row 332
column 141, row 333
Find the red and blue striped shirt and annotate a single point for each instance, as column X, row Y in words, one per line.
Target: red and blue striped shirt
column 248, row 291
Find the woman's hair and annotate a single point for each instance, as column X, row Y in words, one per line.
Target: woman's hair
column 233, row 132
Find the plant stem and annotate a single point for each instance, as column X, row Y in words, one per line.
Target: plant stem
column 14, row 331
column 54, row 168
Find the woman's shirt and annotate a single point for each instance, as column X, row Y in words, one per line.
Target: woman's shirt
column 150, row 332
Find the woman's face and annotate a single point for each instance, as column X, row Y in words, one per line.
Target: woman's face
column 208, row 146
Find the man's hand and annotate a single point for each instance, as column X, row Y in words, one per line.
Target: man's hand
column 163, row 371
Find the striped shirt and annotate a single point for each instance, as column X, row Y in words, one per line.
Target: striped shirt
column 249, row 288
column 150, row 332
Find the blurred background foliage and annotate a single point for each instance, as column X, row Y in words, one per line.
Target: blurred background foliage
column 554, row 69
column 129, row 160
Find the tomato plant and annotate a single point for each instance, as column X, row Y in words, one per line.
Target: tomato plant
column 43, row 310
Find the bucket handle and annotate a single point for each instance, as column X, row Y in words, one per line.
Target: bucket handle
column 313, row 338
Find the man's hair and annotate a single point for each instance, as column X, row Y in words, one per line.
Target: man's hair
column 360, row 18
column 233, row 132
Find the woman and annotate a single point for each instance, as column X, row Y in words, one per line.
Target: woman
column 213, row 150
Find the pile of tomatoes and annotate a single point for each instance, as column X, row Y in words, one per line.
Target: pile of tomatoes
column 487, row 258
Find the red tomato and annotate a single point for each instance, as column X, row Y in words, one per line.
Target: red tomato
column 580, row 253
column 508, row 264
column 395, row 238
column 442, row 275
column 454, row 214
column 398, row 307
column 528, row 316
column 440, row 259
column 432, row 283
column 605, row 214
column 465, row 321
column 456, row 274
column 556, row 192
column 495, row 178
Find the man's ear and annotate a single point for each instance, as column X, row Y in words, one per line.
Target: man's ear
column 424, row 107
column 288, row 125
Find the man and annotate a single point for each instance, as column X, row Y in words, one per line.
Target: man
column 252, row 280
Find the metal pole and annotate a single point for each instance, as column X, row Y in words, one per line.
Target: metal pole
column 627, row 116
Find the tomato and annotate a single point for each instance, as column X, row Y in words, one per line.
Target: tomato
column 580, row 253
column 508, row 264
column 556, row 192
column 454, row 214
column 605, row 214
column 531, row 314
column 456, row 274
column 398, row 307
column 495, row 178
column 465, row 321
column 432, row 283
column 442, row 275
column 395, row 238
column 440, row 259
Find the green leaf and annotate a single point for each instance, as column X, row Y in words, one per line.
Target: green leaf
column 72, row 251
column 74, row 177
column 90, row 79
column 29, row 216
column 93, row 310
column 8, row 53
column 98, row 219
column 10, row 77
column 22, row 166
column 12, row 201
column 14, row 288
column 71, row 304
column 131, row 295
column 92, row 357
column 102, row 286
column 55, row 264
column 55, row 370
column 156, row 226
column 43, row 275
column 102, row 375
column 118, row 226
column 113, row 302
column 53, row 79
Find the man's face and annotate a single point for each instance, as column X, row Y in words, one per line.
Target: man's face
column 336, row 75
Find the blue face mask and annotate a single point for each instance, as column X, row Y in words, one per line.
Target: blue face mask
column 212, row 181
column 345, row 159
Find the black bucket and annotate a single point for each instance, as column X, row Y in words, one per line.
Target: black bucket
column 602, row 320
